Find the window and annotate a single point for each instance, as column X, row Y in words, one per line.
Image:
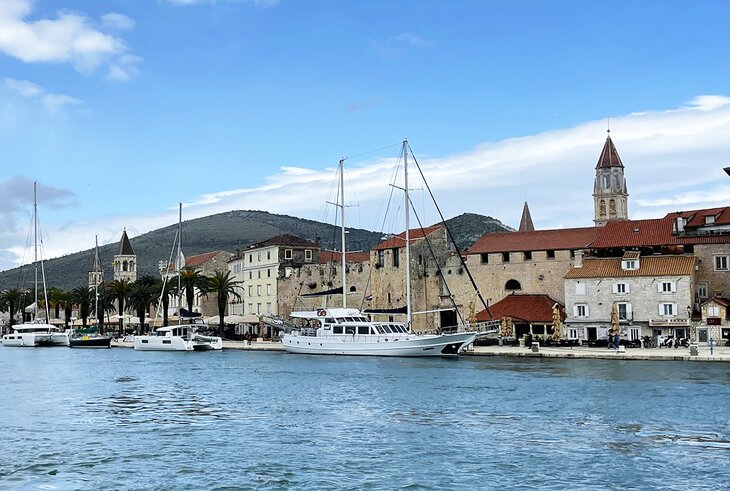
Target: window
column 396, row 257
column 288, row 254
column 268, row 273
column 624, row 311
column 258, row 273
column 505, row 257
column 381, row 258
column 580, row 288
column 667, row 309
column 308, row 255
column 550, row 254
column 702, row 290
column 258, row 308
column 709, row 219
column 484, row 258
column 258, row 291
column 666, row 286
column 621, row 288
column 528, row 255
column 721, row 263
column 250, row 258
column 250, row 290
column 713, row 311
column 258, row 256
column 268, row 307
column 580, row 310
column 612, row 207
column 268, row 289
column 629, row 264
column 268, row 255
column 363, row 329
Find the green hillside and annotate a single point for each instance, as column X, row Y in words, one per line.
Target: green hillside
column 224, row 231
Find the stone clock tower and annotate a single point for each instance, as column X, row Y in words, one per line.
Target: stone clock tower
column 610, row 196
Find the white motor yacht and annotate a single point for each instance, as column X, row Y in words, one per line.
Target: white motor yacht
column 32, row 334
column 346, row 331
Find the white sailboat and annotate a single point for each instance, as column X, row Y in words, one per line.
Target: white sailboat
column 187, row 335
column 36, row 332
column 347, row 331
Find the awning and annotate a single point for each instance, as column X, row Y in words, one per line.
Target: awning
column 333, row 291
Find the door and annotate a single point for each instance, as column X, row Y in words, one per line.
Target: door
column 591, row 333
column 448, row 319
column 702, row 335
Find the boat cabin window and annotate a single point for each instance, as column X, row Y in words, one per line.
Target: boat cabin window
column 337, row 330
column 329, row 320
column 396, row 328
column 363, row 329
column 349, row 329
column 387, row 329
column 380, row 329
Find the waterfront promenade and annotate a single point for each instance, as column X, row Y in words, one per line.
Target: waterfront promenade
column 721, row 353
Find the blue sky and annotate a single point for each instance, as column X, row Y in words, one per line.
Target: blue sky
column 121, row 109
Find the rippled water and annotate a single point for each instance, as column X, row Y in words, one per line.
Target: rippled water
column 120, row 419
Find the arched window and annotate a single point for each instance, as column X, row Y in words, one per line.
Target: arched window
column 353, row 289
column 125, row 266
column 612, row 207
column 602, row 208
column 513, row 285
column 131, row 265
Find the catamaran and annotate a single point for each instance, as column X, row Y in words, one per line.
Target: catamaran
column 347, row 331
column 36, row 332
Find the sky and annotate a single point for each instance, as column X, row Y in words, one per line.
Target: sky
column 121, row 109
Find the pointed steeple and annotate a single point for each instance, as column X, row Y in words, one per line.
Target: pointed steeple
column 125, row 247
column 609, row 155
column 526, row 220
column 96, row 263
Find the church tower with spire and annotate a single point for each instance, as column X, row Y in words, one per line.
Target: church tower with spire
column 125, row 261
column 96, row 274
column 610, row 196
column 526, row 220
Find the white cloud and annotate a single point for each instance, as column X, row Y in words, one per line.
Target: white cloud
column 52, row 102
column 398, row 45
column 69, row 38
column 673, row 161
column 124, row 68
column 117, row 21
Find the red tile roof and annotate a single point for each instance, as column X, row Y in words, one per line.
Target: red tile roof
column 696, row 218
column 350, row 256
column 400, row 239
column 609, row 156
column 538, row 240
column 197, row 260
column 527, row 307
column 648, row 266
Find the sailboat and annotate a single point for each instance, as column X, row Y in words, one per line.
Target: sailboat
column 36, row 332
column 185, row 336
column 347, row 331
column 91, row 337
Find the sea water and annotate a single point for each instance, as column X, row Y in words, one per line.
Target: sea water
column 121, row 419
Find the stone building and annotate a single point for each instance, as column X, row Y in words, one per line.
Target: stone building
column 610, row 195
column 714, row 321
column 125, row 260
column 650, row 296
column 96, row 273
column 524, row 314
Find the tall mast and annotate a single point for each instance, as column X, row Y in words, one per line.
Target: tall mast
column 35, row 249
column 178, row 265
column 408, row 233
column 97, row 264
column 342, row 222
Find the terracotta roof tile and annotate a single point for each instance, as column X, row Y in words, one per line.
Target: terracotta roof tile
column 538, row 240
column 648, row 266
column 350, row 256
column 400, row 239
column 198, row 259
column 527, row 307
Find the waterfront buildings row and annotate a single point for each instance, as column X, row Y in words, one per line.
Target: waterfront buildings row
column 664, row 276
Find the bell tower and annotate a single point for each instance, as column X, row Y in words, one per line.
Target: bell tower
column 610, row 196
column 125, row 261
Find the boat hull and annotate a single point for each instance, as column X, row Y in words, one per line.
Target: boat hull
column 34, row 339
column 91, row 342
column 367, row 345
column 175, row 343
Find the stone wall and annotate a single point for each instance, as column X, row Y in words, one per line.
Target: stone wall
column 718, row 282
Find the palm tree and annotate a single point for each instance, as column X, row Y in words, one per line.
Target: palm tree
column 82, row 297
column 10, row 301
column 105, row 305
column 65, row 300
column 190, row 279
column 119, row 290
column 223, row 286
column 166, row 290
column 141, row 295
column 54, row 298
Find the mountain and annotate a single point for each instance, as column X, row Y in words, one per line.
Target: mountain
column 468, row 227
column 227, row 232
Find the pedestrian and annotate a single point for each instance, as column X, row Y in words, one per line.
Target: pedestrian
column 616, row 341
column 659, row 341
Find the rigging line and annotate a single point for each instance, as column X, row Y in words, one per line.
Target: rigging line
column 448, row 231
column 438, row 267
column 373, row 151
column 43, row 271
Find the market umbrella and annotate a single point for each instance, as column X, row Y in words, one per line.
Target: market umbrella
column 557, row 324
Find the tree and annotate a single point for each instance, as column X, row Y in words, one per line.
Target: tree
column 119, row 290
column 223, row 286
column 10, row 301
column 66, row 302
column 166, row 290
column 82, row 296
column 141, row 295
column 54, row 298
column 190, row 279
column 104, row 305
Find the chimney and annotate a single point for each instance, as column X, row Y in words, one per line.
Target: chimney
column 578, row 259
